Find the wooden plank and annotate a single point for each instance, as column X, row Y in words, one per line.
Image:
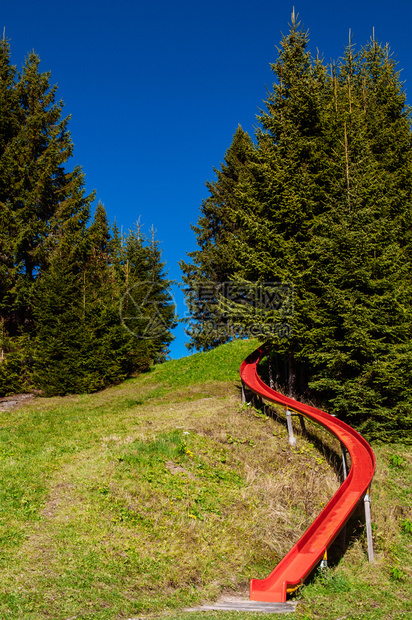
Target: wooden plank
column 247, row 605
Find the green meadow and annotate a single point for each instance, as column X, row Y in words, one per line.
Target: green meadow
column 164, row 492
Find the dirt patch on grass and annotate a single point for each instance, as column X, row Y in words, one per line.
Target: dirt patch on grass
column 11, row 402
column 61, row 494
column 177, row 469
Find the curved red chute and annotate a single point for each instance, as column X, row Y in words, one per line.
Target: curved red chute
column 310, row 549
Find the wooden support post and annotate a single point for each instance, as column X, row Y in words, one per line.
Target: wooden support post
column 292, row 439
column 302, row 424
column 367, row 502
column 344, row 463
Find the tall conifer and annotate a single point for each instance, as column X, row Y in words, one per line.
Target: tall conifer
column 62, row 277
column 214, row 264
column 326, row 207
column 360, row 250
column 41, row 201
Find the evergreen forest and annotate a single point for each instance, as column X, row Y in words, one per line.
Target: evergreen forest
column 82, row 304
column 304, row 240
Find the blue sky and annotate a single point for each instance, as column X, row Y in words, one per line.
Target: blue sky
column 156, row 89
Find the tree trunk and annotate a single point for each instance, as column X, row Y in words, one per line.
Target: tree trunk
column 292, row 375
column 270, row 369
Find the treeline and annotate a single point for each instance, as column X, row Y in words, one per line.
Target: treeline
column 82, row 305
column 319, row 204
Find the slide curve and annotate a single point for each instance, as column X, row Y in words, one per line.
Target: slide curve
column 310, row 549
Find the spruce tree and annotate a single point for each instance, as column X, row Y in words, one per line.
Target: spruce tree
column 164, row 316
column 9, row 128
column 214, row 264
column 325, row 206
column 39, row 202
column 42, row 202
column 106, row 352
column 62, row 277
column 360, row 249
column 278, row 198
column 59, row 319
column 146, row 306
column 79, row 329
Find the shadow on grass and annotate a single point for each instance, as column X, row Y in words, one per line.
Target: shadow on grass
column 355, row 526
column 331, row 455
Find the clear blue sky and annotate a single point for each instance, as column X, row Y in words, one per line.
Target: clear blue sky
column 156, row 89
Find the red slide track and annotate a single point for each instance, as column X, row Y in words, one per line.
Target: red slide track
column 310, row 549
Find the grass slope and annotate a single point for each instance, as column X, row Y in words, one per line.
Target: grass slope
column 162, row 492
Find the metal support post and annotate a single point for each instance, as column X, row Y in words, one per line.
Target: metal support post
column 292, row 439
column 302, row 424
column 243, row 394
column 367, row 502
column 344, row 462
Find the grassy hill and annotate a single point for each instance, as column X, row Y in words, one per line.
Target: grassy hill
column 163, row 492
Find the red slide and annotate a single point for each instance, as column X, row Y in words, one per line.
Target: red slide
column 310, row 549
